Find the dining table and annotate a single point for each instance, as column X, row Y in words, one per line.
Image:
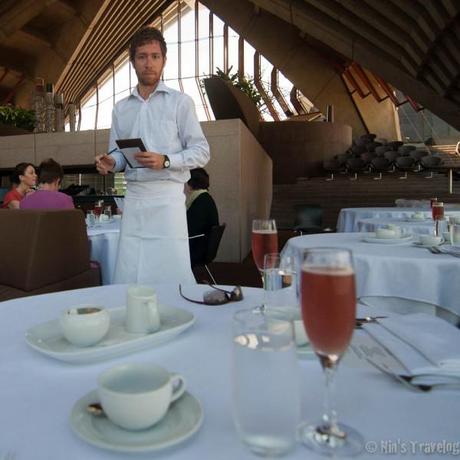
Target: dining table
column 393, row 268
column 425, row 226
column 103, row 238
column 349, row 218
column 38, row 392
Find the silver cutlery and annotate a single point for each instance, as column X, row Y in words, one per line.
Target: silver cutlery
column 406, row 380
column 359, row 322
column 436, row 250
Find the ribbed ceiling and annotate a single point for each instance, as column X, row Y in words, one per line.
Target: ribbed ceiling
column 108, row 37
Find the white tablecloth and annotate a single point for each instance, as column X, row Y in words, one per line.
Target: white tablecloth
column 104, row 246
column 38, row 393
column 394, row 270
column 349, row 217
column 424, row 227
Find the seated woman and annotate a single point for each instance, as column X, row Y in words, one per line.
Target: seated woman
column 23, row 179
column 48, row 196
column 201, row 213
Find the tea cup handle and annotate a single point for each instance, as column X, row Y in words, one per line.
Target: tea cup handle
column 178, row 386
column 154, row 316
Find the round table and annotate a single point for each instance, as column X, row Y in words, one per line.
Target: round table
column 349, row 217
column 420, row 227
column 38, row 392
column 402, row 270
column 103, row 239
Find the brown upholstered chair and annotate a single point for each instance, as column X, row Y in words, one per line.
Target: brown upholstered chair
column 44, row 251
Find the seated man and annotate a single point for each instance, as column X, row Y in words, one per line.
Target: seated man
column 48, row 196
column 201, row 213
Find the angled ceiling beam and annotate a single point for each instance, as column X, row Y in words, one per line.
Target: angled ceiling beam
column 20, row 14
column 34, row 36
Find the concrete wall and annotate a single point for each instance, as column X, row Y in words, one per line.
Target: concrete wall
column 241, row 183
column 299, row 148
column 240, row 170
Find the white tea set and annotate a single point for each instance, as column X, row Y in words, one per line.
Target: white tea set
column 86, row 325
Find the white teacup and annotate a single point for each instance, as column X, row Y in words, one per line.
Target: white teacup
column 418, row 216
column 135, row 396
column 398, row 231
column 385, row 233
column 142, row 314
column 430, row 240
column 85, row 325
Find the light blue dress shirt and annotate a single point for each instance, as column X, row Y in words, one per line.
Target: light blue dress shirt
column 167, row 124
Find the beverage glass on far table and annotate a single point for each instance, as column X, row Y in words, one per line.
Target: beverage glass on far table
column 98, row 208
column 264, row 240
column 437, row 211
column 433, row 200
column 328, row 300
column 279, row 281
column 265, row 382
column 108, row 212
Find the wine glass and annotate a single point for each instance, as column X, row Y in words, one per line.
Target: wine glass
column 264, row 241
column 437, row 211
column 328, row 302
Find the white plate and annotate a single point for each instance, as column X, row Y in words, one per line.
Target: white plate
column 374, row 239
column 414, row 219
column 422, row 245
column 182, row 420
column 47, row 338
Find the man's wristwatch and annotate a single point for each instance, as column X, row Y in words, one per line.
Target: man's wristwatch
column 166, row 162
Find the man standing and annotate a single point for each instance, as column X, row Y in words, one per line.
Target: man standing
column 153, row 244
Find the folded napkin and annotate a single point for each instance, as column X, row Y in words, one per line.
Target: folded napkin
column 454, row 250
column 425, row 345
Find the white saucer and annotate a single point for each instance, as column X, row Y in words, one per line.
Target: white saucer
column 415, row 219
column 183, row 419
column 421, row 245
column 373, row 239
column 47, row 338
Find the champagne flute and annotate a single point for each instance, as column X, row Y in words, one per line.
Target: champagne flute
column 437, row 211
column 264, row 241
column 328, row 302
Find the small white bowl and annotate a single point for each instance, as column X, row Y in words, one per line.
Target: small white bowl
column 385, row 233
column 85, row 325
column 431, row 240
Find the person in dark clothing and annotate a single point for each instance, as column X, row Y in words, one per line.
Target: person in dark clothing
column 201, row 214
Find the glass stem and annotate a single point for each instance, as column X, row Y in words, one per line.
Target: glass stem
column 436, row 231
column 330, row 415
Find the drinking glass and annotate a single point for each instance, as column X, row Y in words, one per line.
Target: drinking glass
column 98, row 208
column 266, row 390
column 328, row 302
column 91, row 219
column 264, row 241
column 108, row 212
column 455, row 235
column 437, row 211
column 279, row 281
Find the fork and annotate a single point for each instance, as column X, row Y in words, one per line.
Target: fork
column 406, row 380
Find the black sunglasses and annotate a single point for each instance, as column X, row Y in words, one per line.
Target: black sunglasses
column 216, row 297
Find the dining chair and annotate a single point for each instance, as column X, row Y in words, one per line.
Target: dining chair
column 214, row 237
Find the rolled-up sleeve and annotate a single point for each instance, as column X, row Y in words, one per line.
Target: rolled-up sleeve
column 195, row 153
column 120, row 162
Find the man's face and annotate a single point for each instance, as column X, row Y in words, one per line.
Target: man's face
column 149, row 63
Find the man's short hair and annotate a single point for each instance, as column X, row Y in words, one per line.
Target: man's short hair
column 144, row 36
column 48, row 171
column 199, row 179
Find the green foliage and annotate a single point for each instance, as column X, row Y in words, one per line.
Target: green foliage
column 15, row 116
column 244, row 84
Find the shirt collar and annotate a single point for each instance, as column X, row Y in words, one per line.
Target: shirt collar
column 161, row 88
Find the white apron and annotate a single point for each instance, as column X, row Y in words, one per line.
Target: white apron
column 153, row 245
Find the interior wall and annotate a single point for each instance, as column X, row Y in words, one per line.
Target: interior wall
column 240, row 172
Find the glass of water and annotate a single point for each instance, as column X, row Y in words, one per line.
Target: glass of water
column 266, row 391
column 279, row 281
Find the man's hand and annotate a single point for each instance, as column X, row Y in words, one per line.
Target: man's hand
column 150, row 160
column 104, row 164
